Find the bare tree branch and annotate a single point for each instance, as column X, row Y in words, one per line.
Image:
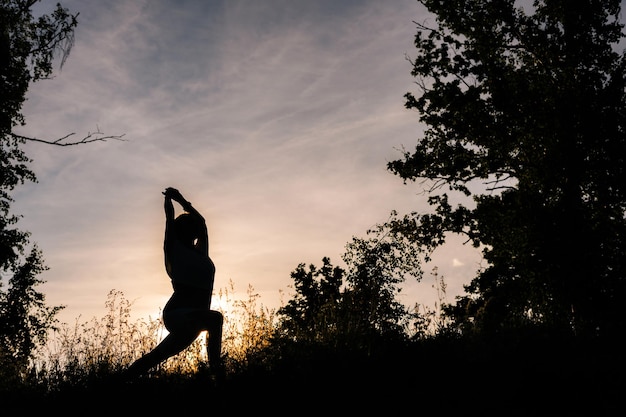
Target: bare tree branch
column 90, row 137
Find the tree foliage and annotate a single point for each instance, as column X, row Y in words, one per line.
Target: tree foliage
column 355, row 309
column 376, row 267
column 24, row 317
column 28, row 47
column 525, row 113
column 311, row 315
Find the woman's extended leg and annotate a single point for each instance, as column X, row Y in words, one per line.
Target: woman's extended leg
column 173, row 344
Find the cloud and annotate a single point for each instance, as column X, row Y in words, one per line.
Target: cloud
column 275, row 118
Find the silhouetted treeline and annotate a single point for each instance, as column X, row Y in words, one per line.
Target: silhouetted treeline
column 523, row 153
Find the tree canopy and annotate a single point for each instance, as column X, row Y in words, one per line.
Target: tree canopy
column 525, row 113
column 353, row 309
column 28, row 48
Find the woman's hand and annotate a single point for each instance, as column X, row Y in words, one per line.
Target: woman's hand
column 174, row 194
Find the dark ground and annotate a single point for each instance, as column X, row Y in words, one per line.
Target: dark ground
column 438, row 379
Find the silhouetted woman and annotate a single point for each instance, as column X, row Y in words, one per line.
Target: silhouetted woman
column 187, row 312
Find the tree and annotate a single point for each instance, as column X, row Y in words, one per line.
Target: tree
column 28, row 48
column 25, row 318
column 376, row 267
column 525, row 113
column 355, row 308
column 312, row 314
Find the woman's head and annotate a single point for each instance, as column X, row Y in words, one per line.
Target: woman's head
column 187, row 228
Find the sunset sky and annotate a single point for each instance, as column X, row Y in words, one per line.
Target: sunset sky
column 276, row 119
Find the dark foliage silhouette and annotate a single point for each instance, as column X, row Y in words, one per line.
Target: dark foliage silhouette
column 29, row 47
column 525, row 114
column 356, row 309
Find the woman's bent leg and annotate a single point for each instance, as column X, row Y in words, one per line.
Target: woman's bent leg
column 215, row 322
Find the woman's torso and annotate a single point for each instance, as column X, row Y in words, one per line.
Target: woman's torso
column 189, row 267
column 192, row 276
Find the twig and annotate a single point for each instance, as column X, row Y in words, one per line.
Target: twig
column 89, row 138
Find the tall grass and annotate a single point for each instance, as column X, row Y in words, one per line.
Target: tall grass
column 428, row 321
column 96, row 347
column 102, row 346
column 86, row 351
column 248, row 325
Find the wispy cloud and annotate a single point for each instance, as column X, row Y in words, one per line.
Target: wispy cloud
column 275, row 118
